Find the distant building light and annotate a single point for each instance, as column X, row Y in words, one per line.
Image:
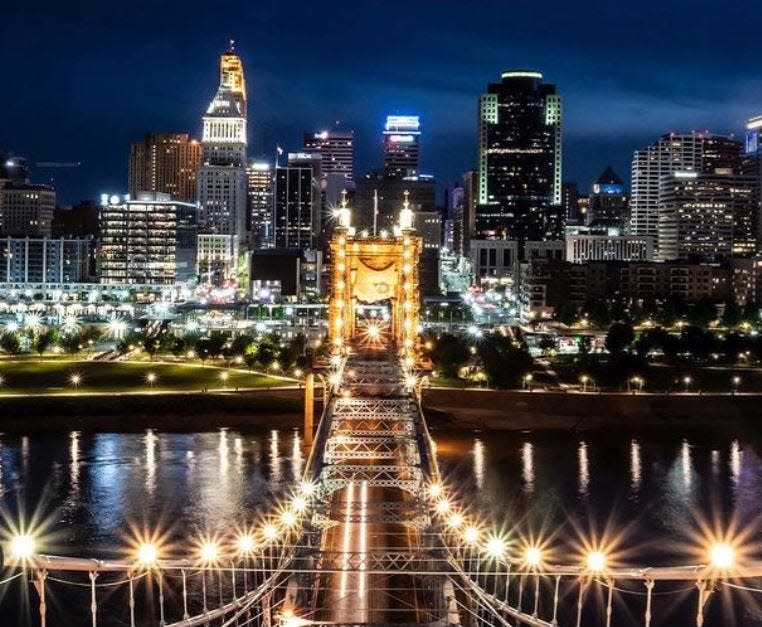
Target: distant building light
column 686, row 175
column 406, row 123
column 521, row 74
column 755, row 122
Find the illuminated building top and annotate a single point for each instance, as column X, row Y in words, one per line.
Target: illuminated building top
column 225, row 119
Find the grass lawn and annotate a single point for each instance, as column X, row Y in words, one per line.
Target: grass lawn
column 48, row 376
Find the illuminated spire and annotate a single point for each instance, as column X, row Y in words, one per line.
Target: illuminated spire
column 406, row 215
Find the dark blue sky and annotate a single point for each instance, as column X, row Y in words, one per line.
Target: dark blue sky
column 81, row 80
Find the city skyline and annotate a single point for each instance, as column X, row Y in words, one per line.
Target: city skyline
column 648, row 86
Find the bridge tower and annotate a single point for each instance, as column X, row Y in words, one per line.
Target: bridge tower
column 375, row 270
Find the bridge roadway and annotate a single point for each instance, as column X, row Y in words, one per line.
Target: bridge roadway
column 374, row 452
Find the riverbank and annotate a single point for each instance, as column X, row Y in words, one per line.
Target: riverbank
column 446, row 409
column 178, row 412
column 520, row 411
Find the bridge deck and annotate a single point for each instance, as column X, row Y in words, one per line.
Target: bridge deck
column 374, row 516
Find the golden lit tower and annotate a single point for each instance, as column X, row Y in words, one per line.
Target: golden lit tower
column 222, row 175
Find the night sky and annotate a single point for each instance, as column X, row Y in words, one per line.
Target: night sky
column 81, row 80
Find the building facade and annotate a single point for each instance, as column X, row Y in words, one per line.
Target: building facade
column 166, row 163
column 260, row 183
column 32, row 260
column 694, row 152
column 602, row 247
column 151, row 240
column 222, row 177
column 707, row 217
column 402, row 146
column 26, row 209
column 297, row 207
column 336, row 149
column 608, row 203
column 519, row 159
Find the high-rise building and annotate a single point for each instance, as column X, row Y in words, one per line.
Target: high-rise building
column 151, row 240
column 693, row 152
column 260, row 198
column 402, row 149
column 26, row 209
column 297, row 204
column 609, row 204
column 707, row 217
column 13, row 169
column 222, row 180
column 336, row 149
column 519, row 159
column 166, row 163
column 44, row 260
column 378, row 199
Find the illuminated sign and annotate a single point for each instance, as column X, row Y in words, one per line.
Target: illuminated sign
column 401, row 139
column 521, row 74
column 407, row 123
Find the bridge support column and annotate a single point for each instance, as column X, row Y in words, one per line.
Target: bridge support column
column 309, row 407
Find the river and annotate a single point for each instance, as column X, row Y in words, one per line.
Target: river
column 649, row 498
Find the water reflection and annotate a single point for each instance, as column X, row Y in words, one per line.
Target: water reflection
column 584, row 469
column 150, row 443
column 238, row 448
column 222, row 450
column 276, row 474
column 685, row 462
column 735, row 463
column 478, row 454
column 297, row 460
column 636, row 469
column 527, row 467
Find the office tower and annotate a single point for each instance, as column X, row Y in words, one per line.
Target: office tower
column 150, row 240
column 166, row 163
column 572, row 209
column 260, row 198
column 337, row 151
column 519, row 159
column 13, row 169
column 26, row 209
column 378, row 199
column 44, row 260
column 707, row 217
column 609, row 204
column 752, row 165
column 297, row 206
column 402, row 134
column 694, row 152
column 222, row 181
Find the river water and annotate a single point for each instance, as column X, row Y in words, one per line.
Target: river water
column 649, row 499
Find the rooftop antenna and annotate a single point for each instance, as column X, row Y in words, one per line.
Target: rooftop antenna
column 231, row 47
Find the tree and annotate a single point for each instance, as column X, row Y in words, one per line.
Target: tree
column 504, row 362
column 698, row 342
column 151, row 346
column 72, row 343
column 44, row 341
column 566, row 313
column 751, row 312
column 10, row 343
column 294, row 349
column 240, row 345
column 178, row 346
column 620, row 335
column 732, row 315
column 599, row 314
column 215, row 343
column 449, row 354
column 702, row 313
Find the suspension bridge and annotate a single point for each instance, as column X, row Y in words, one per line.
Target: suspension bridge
column 372, row 535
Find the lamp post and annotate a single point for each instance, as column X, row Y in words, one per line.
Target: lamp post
column 528, row 381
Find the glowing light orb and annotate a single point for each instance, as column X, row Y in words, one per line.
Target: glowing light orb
column 722, row 556
column 596, row 561
column 22, row 547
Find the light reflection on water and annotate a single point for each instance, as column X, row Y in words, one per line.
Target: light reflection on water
column 94, row 487
column 656, row 489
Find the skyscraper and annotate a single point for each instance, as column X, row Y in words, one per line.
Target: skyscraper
column 260, row 199
column 167, row 163
column 519, row 160
column 26, row 209
column 707, row 217
column 337, row 150
column 402, row 151
column 150, row 240
column 692, row 152
column 609, row 204
column 222, row 182
column 297, row 207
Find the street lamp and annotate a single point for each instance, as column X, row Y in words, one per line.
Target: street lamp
column 528, row 381
column 736, row 383
column 584, row 380
column 687, row 382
